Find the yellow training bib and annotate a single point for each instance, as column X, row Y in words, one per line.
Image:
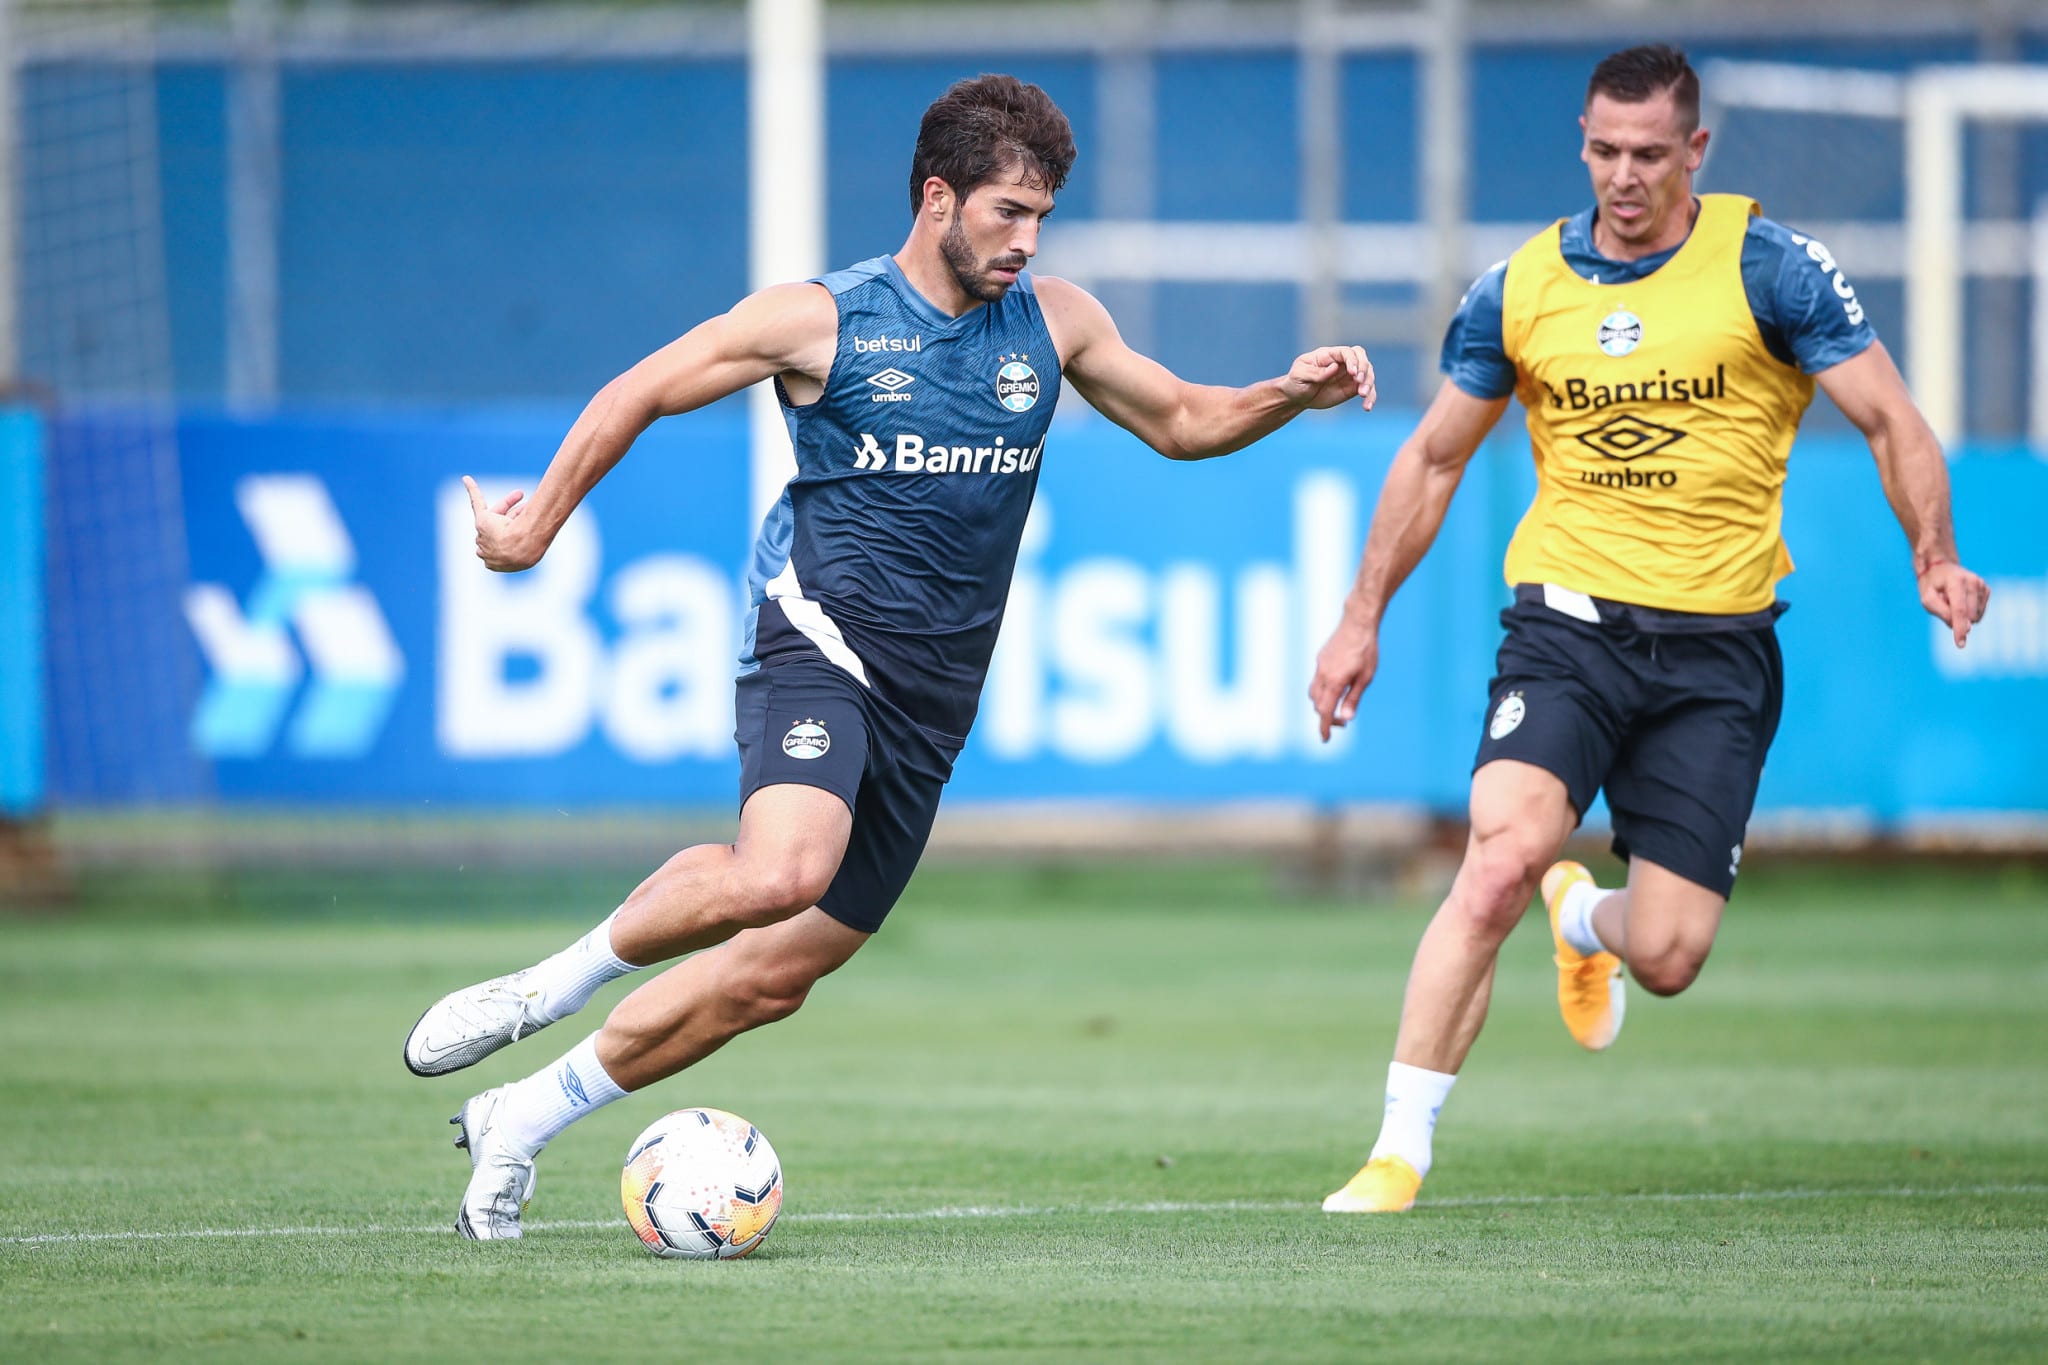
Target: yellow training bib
column 1660, row 423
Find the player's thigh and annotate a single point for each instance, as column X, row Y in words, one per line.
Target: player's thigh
column 802, row 733
column 794, row 833
column 1531, row 804
column 1669, row 915
column 892, row 822
column 1684, row 784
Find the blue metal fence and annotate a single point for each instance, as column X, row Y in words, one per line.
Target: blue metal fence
column 517, row 230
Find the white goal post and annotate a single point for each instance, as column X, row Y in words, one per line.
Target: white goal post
column 10, row 139
column 1938, row 102
column 785, row 195
column 1936, row 248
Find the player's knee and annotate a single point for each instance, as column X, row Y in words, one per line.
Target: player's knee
column 785, row 888
column 765, row 1006
column 1667, row 972
column 1500, row 874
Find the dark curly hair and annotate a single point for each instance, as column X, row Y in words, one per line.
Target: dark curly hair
column 987, row 127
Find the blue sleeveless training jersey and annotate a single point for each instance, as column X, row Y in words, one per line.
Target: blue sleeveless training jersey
column 891, row 550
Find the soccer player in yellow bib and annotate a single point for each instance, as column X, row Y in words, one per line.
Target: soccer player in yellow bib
column 1665, row 346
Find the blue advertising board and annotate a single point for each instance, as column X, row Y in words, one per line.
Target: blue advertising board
column 356, row 650
column 1884, row 716
column 1161, row 634
column 21, row 613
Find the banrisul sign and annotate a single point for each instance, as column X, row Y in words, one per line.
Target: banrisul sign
column 1160, row 635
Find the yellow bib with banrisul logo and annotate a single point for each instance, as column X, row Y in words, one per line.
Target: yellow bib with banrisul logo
column 1661, row 425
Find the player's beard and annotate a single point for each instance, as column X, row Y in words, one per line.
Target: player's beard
column 974, row 278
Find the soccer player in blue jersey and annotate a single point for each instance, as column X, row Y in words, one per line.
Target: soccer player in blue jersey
column 918, row 388
column 1665, row 346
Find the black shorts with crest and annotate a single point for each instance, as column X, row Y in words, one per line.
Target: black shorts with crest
column 801, row 718
column 1670, row 714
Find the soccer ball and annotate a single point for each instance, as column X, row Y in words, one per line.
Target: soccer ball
column 702, row 1184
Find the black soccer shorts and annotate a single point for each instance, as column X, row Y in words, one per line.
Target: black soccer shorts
column 801, row 718
column 1674, row 726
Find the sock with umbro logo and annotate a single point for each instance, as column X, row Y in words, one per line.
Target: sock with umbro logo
column 536, row 1109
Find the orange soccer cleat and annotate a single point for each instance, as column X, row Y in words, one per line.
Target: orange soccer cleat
column 1590, row 989
column 1386, row 1184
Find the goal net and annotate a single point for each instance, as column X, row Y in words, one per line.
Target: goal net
column 93, row 350
column 1916, row 185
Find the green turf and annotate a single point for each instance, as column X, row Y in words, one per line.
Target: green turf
column 1129, row 1087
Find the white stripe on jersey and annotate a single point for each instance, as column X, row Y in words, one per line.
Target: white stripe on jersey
column 810, row 618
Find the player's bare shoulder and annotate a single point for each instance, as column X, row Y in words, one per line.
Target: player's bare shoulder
column 796, row 326
column 1074, row 318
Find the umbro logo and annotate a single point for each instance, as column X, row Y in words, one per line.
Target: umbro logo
column 1629, row 437
column 891, row 382
column 572, row 1087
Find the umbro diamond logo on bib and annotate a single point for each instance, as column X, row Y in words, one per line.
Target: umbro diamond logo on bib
column 1629, row 437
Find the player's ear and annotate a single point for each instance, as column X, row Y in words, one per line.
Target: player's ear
column 1696, row 149
column 938, row 198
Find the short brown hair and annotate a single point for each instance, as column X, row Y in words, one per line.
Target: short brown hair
column 1636, row 74
column 982, row 128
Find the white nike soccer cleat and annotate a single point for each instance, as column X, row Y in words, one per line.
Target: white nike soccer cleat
column 462, row 1029
column 500, row 1180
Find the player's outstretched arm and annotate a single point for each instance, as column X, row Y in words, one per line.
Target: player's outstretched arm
column 784, row 329
column 1184, row 421
column 1410, row 511
column 1871, row 393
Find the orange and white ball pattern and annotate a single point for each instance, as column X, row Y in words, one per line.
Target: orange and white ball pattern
column 701, row 1184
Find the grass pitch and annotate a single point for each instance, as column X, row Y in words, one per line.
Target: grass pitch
column 1045, row 1115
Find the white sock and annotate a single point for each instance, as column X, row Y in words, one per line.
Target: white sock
column 552, row 1098
column 1413, row 1098
column 1575, row 917
column 567, row 980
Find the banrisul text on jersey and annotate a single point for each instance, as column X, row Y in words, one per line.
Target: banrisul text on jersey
column 1659, row 418
column 890, row 552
